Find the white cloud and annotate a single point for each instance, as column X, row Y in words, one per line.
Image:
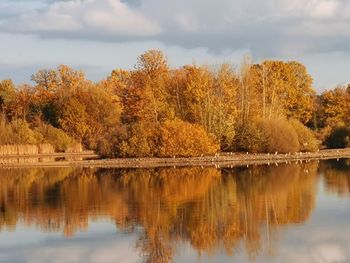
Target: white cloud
column 108, row 18
column 265, row 27
column 293, row 29
column 324, row 8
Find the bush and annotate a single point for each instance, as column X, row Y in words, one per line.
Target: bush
column 251, row 138
column 281, row 136
column 18, row 132
column 107, row 146
column 339, row 138
column 56, row 137
column 306, row 138
column 323, row 134
column 179, row 138
column 142, row 141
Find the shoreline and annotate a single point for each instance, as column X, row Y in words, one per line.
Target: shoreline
column 223, row 160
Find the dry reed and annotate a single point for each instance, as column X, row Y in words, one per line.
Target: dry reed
column 27, row 149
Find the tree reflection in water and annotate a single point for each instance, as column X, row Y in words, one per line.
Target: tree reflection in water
column 208, row 208
column 337, row 176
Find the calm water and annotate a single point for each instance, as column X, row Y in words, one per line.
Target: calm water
column 290, row 213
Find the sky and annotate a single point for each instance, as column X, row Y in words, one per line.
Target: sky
column 98, row 36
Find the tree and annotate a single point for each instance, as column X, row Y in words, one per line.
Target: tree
column 152, row 74
column 73, row 119
column 7, row 95
column 225, row 109
column 200, row 95
column 143, row 92
column 277, row 88
column 335, row 107
column 46, row 79
column 299, row 101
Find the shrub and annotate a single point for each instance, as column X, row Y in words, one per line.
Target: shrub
column 5, row 133
column 141, row 142
column 281, row 136
column 251, row 138
column 18, row 132
column 306, row 138
column 56, row 137
column 107, row 146
column 339, row 138
column 179, row 138
column 323, row 134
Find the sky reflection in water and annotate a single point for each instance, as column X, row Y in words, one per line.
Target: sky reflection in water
column 290, row 213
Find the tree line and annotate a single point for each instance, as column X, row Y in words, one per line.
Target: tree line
column 155, row 110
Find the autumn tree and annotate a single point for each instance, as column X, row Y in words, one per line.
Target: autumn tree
column 335, row 107
column 225, row 109
column 203, row 96
column 299, row 100
column 143, row 91
column 7, row 94
column 276, row 88
column 129, row 112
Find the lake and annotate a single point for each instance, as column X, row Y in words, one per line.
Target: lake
column 285, row 213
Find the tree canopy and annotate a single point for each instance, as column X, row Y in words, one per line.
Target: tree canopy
column 145, row 111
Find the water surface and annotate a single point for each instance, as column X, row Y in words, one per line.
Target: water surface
column 286, row 213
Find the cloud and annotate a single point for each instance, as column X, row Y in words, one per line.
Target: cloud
column 107, row 248
column 83, row 19
column 267, row 28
